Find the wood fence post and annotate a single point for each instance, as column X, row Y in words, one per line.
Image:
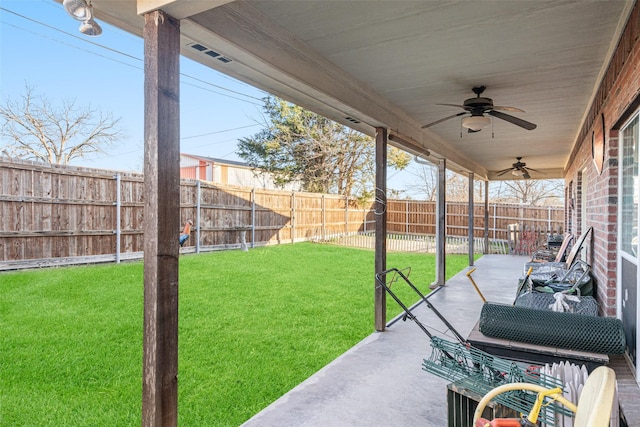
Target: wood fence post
column 198, row 218
column 118, row 212
column 406, row 220
column 323, row 229
column 253, row 217
column 293, row 216
column 346, row 215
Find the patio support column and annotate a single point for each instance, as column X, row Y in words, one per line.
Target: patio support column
column 486, row 217
column 161, row 219
column 471, row 219
column 441, row 224
column 380, row 303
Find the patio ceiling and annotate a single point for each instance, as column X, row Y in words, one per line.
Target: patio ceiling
column 371, row 64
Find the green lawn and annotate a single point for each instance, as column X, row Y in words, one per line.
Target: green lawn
column 252, row 326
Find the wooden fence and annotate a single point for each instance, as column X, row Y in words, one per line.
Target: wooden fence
column 418, row 217
column 54, row 215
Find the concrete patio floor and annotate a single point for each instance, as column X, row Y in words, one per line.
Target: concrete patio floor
column 380, row 381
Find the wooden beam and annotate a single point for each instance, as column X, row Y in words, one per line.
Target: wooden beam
column 486, row 217
column 380, row 303
column 161, row 219
column 179, row 9
column 441, row 224
column 471, row 219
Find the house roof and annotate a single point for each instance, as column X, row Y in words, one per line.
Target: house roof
column 390, row 64
column 216, row 160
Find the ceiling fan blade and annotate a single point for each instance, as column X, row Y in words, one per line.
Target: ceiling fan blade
column 473, row 131
column 512, row 109
column 535, row 170
column 502, row 172
column 513, row 120
column 442, row 120
column 456, row 105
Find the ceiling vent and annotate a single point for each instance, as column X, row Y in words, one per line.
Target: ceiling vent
column 209, row 52
column 352, row 120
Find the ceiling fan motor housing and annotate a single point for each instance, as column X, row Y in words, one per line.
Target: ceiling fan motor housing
column 518, row 164
column 478, row 103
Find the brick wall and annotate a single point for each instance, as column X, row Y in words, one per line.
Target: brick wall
column 616, row 99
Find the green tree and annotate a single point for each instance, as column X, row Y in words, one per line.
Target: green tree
column 35, row 129
column 325, row 156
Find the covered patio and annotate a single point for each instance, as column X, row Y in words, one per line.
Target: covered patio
column 380, row 381
column 408, row 73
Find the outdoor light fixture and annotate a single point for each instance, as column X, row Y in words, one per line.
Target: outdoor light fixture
column 476, row 123
column 517, row 172
column 83, row 11
column 90, row 28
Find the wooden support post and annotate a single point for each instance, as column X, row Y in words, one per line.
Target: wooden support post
column 486, row 217
column 441, row 224
column 471, row 219
column 161, row 219
column 381, row 227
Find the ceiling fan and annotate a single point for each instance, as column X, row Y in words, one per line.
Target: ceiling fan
column 519, row 168
column 477, row 107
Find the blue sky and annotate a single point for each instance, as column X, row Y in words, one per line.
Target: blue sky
column 40, row 46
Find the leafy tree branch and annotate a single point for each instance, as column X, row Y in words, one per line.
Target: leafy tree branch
column 325, row 156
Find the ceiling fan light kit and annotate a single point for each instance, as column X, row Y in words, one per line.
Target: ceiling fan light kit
column 519, row 169
column 476, row 123
column 476, row 109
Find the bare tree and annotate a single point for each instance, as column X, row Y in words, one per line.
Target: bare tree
column 532, row 192
column 38, row 130
column 457, row 185
column 426, row 183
